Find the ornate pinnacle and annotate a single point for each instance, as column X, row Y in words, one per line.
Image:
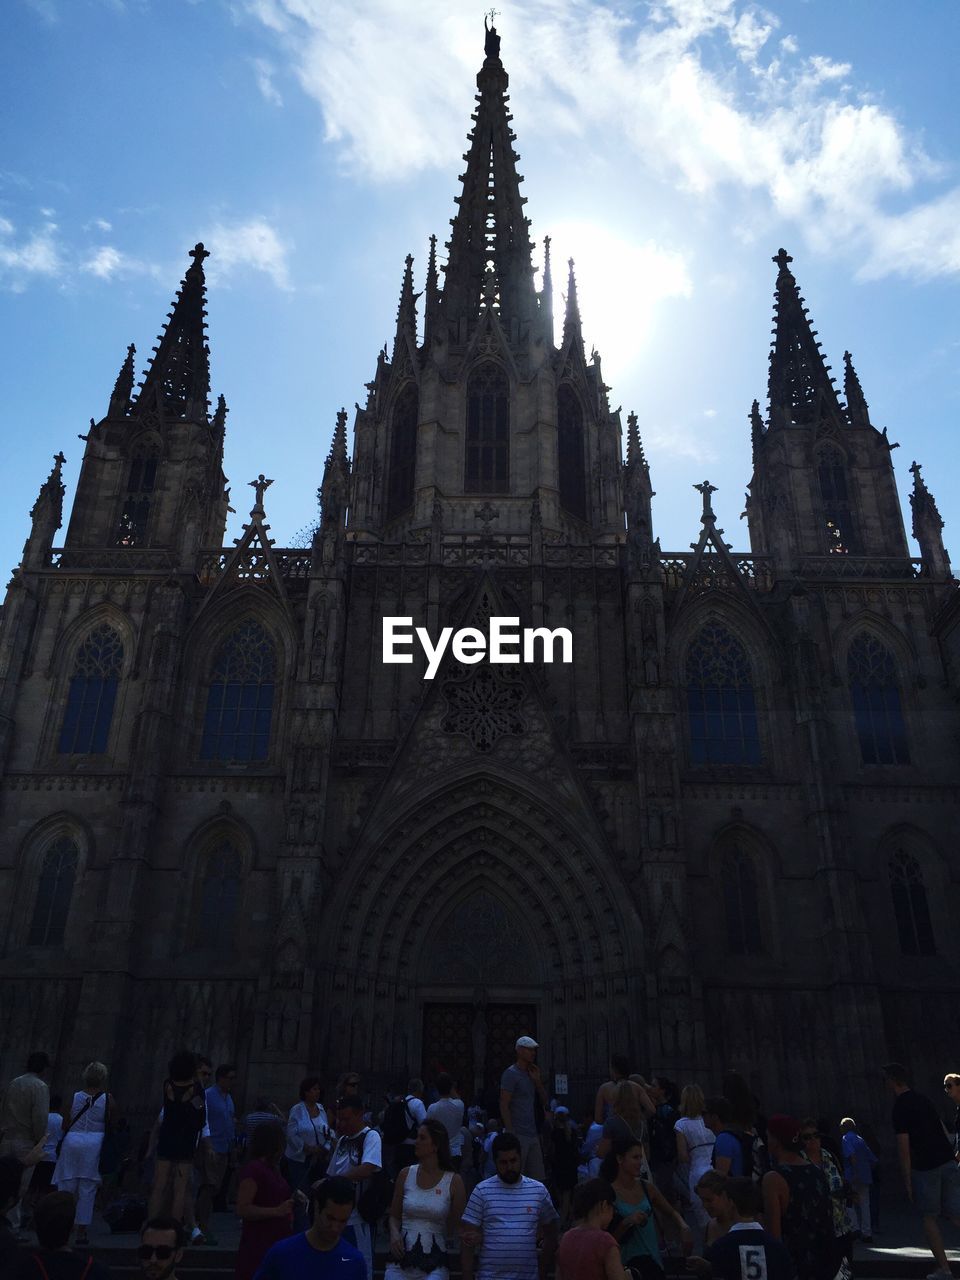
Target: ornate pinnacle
column 123, row 387
column 51, row 492
column 220, row 416
column 922, row 500
column 407, row 310
column 491, row 42
column 635, row 455
column 432, row 299
column 757, row 429
column 571, row 317
column 857, row 408
column 705, row 488
column 260, row 486
column 338, row 446
column 546, row 293
column 800, row 388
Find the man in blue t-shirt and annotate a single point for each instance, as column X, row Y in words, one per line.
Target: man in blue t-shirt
column 746, row 1252
column 729, row 1149
column 320, row 1252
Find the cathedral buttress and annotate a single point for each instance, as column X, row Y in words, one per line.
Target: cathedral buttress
column 823, row 481
column 152, row 471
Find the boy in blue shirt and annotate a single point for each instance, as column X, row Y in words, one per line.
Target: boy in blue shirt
column 746, row 1252
column 319, row 1253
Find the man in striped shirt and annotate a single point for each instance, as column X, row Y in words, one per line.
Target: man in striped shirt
column 503, row 1219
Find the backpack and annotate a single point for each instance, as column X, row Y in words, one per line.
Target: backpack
column 375, row 1197
column 754, row 1159
column 398, row 1124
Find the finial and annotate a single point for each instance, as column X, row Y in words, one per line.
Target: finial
column 260, row 486
column 634, row 445
column 59, row 460
column 858, row 410
column 705, row 488
column 123, row 387
column 198, row 253
column 782, row 259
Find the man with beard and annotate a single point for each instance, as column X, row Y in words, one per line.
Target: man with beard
column 502, row 1220
column 161, row 1248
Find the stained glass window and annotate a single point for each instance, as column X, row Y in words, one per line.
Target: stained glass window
column 92, row 693
column 54, row 892
column 488, row 431
column 741, row 902
column 573, row 485
column 219, row 897
column 135, row 511
column 910, row 905
column 403, row 452
column 877, row 712
column 721, row 709
column 236, row 725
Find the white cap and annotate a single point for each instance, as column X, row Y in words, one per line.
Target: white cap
column 527, row 1042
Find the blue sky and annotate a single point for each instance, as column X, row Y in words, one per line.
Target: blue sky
column 671, row 148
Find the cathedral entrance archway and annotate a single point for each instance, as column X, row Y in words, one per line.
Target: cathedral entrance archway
column 474, row 1043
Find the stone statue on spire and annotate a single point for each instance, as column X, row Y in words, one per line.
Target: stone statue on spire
column 491, row 44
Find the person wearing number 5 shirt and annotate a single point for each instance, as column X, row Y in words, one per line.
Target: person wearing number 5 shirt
column 746, row 1252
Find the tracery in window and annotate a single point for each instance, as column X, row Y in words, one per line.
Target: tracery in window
column 219, row 897
column 910, row 905
column 488, row 431
column 403, row 452
column 741, row 902
column 877, row 710
column 721, row 708
column 135, row 509
column 835, row 500
column 54, row 893
column 572, row 473
column 236, row 723
column 92, row 693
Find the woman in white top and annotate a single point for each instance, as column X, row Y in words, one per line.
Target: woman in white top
column 428, row 1201
column 694, row 1151
column 308, row 1140
column 77, row 1169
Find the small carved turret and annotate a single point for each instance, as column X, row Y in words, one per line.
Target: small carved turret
column 546, row 293
column 857, row 410
column 572, row 329
column 637, row 495
column 431, row 302
column 335, row 488
column 406, row 311
column 123, row 387
column 927, row 528
column 757, row 428
column 46, row 516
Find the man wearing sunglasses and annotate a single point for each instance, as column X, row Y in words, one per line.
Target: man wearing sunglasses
column 161, row 1248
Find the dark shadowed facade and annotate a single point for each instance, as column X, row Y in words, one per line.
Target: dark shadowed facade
column 725, row 834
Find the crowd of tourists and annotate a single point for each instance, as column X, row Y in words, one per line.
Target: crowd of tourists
column 654, row 1180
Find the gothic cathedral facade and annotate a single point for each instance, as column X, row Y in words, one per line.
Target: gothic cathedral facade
column 724, row 835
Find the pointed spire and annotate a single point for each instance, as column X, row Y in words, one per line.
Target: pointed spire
column 757, row 429
column 336, row 478
column 927, row 526
column 219, row 422
column 635, row 454
column 49, row 501
column 857, row 408
column 800, row 387
column 337, row 457
column 123, row 387
column 407, row 310
column 546, row 293
column 490, row 229
column 179, row 374
column 431, row 306
column 571, row 316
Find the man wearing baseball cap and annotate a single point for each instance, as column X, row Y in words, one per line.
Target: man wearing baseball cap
column 520, row 1087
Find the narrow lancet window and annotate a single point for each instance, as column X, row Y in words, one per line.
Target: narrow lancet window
column 54, row 894
column 403, row 452
column 236, row 726
column 721, row 709
column 135, row 509
column 877, row 710
column 488, row 431
column 92, row 693
column 570, row 461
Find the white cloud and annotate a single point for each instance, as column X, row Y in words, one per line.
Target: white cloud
column 253, row 245
column 679, row 440
column 108, row 262
column 264, row 72
column 39, row 254
column 698, row 89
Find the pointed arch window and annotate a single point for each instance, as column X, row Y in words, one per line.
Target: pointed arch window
column 236, row 724
column 741, row 902
column 910, row 905
column 833, row 480
column 572, row 472
column 487, row 467
column 877, row 710
column 54, row 894
column 135, row 508
column 219, row 897
column 403, row 451
column 721, row 708
column 92, row 693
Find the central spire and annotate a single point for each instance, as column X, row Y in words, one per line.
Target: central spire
column 800, row 387
column 490, row 232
